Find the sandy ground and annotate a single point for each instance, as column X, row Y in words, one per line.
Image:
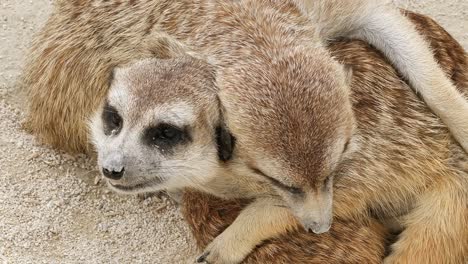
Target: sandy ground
column 52, row 210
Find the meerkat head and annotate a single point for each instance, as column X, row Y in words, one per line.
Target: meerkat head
column 159, row 126
column 294, row 123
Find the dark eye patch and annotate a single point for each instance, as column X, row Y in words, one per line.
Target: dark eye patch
column 291, row 189
column 165, row 136
column 111, row 119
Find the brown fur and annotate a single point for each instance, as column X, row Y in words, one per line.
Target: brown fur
column 59, row 117
column 426, row 191
column 347, row 242
column 398, row 105
column 67, row 79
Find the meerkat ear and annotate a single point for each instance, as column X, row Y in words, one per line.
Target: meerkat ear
column 225, row 142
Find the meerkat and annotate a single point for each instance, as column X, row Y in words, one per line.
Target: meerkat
column 271, row 54
column 437, row 163
column 208, row 216
column 161, row 128
column 71, row 59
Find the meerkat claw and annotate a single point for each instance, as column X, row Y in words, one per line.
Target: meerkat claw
column 202, row 258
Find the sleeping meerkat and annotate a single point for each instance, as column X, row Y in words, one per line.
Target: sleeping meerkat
column 208, row 217
column 83, row 40
column 388, row 124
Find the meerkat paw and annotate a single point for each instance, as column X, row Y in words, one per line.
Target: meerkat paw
column 225, row 251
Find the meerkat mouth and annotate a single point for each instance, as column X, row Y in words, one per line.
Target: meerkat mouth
column 140, row 187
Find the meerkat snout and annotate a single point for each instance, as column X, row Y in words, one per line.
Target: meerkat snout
column 113, row 174
column 318, row 228
column 312, row 206
column 315, row 211
column 112, row 167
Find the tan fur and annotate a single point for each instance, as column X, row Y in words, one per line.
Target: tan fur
column 271, row 53
column 432, row 178
column 306, row 156
column 347, row 242
column 380, row 24
column 67, row 74
column 263, row 218
column 181, row 92
column 425, row 192
column 435, row 233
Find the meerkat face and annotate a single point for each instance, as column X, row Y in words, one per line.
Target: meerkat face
column 293, row 127
column 158, row 127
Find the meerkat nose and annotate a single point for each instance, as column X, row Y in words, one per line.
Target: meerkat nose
column 318, row 228
column 312, row 227
column 112, row 174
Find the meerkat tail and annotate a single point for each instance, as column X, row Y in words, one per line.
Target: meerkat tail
column 382, row 25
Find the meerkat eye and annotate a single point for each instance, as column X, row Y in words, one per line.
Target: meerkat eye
column 165, row 135
column 170, row 133
column 290, row 189
column 112, row 120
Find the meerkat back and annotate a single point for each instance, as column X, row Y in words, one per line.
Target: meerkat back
column 382, row 25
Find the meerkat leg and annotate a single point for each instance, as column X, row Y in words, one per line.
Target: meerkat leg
column 436, row 231
column 263, row 219
column 382, row 25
